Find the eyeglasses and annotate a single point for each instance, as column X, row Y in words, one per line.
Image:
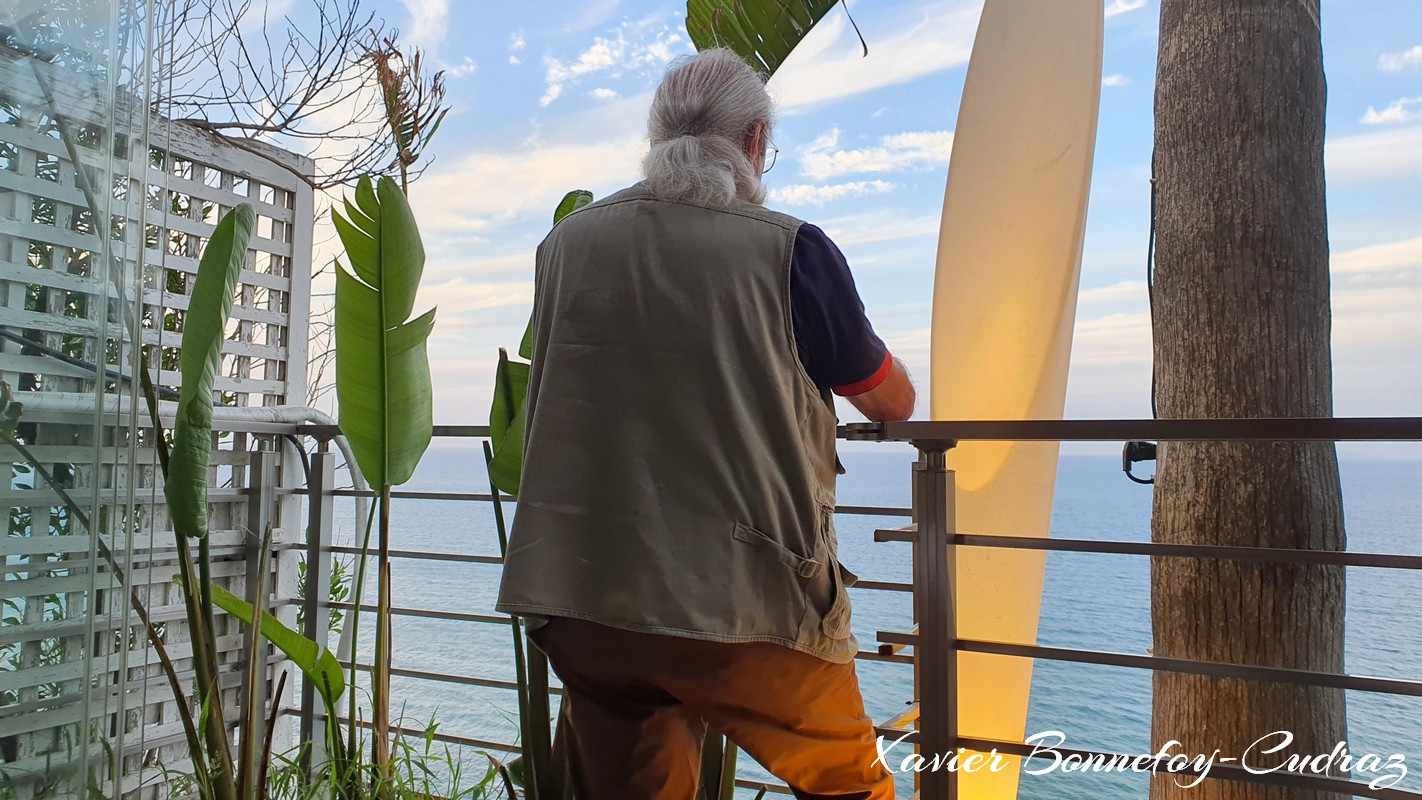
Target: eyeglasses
column 771, row 153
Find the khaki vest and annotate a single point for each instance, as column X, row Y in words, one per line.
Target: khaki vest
column 679, row 468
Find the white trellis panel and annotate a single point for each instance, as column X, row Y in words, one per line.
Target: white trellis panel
column 80, row 687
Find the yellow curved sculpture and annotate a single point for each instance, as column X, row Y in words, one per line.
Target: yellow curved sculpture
column 1009, row 258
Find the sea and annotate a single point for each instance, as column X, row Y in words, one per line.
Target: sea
column 1089, row 601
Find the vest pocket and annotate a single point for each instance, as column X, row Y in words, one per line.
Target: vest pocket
column 835, row 622
column 807, row 568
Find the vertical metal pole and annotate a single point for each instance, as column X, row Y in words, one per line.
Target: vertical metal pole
column 261, row 508
column 315, row 612
column 936, row 652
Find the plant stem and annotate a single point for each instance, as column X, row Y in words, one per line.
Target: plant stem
column 208, row 690
column 520, row 662
column 209, row 617
column 380, row 683
column 250, row 761
column 352, row 748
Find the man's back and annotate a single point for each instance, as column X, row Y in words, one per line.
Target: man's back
column 674, row 546
column 674, row 440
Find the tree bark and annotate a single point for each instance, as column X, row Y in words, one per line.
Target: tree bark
column 1242, row 323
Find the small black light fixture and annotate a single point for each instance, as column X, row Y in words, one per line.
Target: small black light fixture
column 1134, row 453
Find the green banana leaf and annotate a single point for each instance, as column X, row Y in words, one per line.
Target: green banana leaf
column 314, row 661
column 204, row 328
column 382, row 367
column 506, row 418
column 506, row 423
column 763, row 32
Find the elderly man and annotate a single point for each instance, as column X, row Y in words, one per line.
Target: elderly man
column 674, row 547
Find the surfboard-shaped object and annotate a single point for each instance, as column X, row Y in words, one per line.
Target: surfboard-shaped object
column 1004, row 304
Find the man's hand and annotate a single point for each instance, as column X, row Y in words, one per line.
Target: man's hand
column 890, row 401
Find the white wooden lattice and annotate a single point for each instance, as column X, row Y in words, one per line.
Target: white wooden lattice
column 81, row 695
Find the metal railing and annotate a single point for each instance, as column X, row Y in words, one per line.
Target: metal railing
column 935, row 639
column 932, row 646
column 321, row 492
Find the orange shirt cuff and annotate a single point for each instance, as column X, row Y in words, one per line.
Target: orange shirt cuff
column 868, row 383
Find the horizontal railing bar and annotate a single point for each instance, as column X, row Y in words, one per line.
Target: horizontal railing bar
column 443, row 431
column 863, row 511
column 1331, row 429
column 901, row 735
column 1281, row 555
column 1197, row 551
column 894, row 658
column 904, row 533
column 425, row 612
column 1215, row 669
column 1217, row 771
column 1335, row 429
column 423, row 555
column 408, row 495
column 903, row 719
column 883, row 586
column 444, row 677
column 890, row 647
column 874, row 511
column 448, row 738
column 770, row 788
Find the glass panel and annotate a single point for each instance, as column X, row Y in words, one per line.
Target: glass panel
column 73, row 134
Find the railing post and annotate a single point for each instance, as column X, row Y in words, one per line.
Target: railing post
column 936, row 652
column 315, row 611
column 261, row 511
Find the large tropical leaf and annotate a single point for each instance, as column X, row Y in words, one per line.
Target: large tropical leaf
column 314, row 661
column 763, row 32
column 382, row 370
column 506, row 418
column 506, row 423
column 204, row 324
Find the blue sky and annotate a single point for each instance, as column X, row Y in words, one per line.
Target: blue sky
column 551, row 95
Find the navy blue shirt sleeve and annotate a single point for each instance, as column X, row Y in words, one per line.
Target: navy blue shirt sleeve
column 836, row 343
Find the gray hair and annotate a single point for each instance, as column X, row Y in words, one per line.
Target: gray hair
column 701, row 114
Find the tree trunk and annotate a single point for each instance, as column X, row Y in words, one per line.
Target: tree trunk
column 1242, row 330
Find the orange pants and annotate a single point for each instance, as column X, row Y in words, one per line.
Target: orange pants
column 638, row 705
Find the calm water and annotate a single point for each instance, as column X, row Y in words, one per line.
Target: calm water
column 1090, row 601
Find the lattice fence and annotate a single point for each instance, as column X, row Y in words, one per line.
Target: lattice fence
column 83, row 277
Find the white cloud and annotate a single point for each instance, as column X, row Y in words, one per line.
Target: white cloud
column 1124, row 292
column 1388, row 257
column 458, row 296
column 1375, row 331
column 899, row 152
column 258, row 15
column 1115, row 80
column 1395, row 114
column 515, row 60
column 918, row 40
column 1118, row 7
column 1383, row 154
column 1397, row 62
column 875, row 227
column 1114, row 339
column 605, row 94
column 594, row 13
column 517, row 42
column 463, row 69
column 495, row 187
column 613, row 57
column 429, row 22
column 806, row 194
